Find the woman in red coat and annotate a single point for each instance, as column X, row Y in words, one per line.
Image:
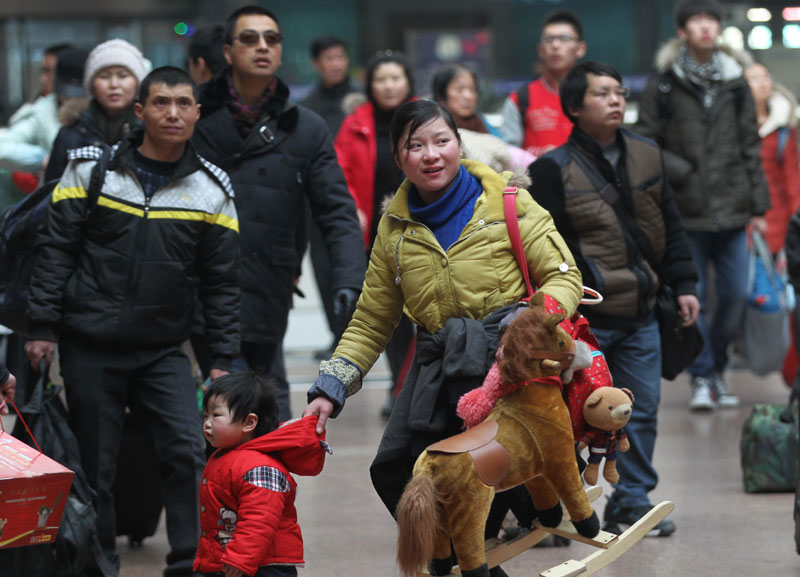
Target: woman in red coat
column 777, row 126
column 365, row 155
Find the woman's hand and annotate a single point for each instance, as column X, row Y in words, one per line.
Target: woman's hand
column 362, row 221
column 321, row 407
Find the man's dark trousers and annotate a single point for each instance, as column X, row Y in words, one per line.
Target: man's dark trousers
column 156, row 383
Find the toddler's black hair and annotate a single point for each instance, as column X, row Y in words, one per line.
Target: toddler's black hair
column 245, row 393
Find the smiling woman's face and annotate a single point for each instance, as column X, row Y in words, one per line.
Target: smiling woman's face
column 430, row 158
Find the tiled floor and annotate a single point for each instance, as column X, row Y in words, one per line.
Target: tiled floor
column 721, row 530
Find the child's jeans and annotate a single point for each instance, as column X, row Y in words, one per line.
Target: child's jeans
column 267, row 571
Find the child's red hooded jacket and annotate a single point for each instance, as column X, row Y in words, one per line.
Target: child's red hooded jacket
column 247, row 512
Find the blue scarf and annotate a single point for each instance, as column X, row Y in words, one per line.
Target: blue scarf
column 448, row 216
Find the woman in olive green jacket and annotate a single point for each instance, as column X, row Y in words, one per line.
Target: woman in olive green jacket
column 443, row 254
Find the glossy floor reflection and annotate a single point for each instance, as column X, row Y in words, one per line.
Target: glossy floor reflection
column 720, row 529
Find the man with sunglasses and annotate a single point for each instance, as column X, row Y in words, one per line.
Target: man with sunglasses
column 608, row 194
column 280, row 159
column 532, row 117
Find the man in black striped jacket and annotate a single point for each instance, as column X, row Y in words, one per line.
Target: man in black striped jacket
column 113, row 281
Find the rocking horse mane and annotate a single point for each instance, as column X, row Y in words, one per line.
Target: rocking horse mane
column 536, row 328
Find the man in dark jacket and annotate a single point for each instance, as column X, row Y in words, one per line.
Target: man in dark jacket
column 610, row 200
column 700, row 110
column 279, row 156
column 112, row 284
column 205, row 54
column 330, row 60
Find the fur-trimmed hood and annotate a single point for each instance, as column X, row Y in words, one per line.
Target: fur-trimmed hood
column 733, row 61
column 782, row 106
column 71, row 110
column 353, row 101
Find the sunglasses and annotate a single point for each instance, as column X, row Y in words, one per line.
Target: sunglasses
column 251, row 37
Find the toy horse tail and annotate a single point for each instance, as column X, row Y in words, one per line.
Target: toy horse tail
column 420, row 519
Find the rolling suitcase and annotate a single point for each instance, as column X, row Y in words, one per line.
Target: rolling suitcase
column 138, row 495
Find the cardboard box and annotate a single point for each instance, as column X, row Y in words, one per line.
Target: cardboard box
column 33, row 492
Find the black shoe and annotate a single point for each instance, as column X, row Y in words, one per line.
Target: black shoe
column 617, row 519
column 497, row 572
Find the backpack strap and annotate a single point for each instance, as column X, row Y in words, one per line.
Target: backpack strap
column 609, row 193
column 664, row 101
column 510, row 209
column 97, row 179
column 738, row 98
column 523, row 101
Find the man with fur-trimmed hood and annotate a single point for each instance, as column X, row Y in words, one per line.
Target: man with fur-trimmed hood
column 700, row 110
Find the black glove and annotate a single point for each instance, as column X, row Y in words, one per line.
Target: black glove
column 344, row 304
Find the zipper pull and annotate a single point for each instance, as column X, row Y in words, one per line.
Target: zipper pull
column 147, row 205
column 266, row 134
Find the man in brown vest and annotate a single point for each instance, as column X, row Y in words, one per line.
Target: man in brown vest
column 610, row 200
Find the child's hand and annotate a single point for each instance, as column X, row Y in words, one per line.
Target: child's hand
column 229, row 571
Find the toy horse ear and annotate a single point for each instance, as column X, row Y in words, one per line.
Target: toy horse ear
column 553, row 320
column 537, row 299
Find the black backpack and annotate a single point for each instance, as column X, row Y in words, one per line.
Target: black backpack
column 76, row 550
column 19, row 225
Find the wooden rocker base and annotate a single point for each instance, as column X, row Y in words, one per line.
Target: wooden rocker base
column 623, row 542
column 611, row 546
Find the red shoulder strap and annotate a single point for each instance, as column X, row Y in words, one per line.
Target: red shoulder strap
column 510, row 207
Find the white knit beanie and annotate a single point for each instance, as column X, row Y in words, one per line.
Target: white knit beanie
column 113, row 53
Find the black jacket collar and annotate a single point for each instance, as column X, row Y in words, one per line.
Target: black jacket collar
column 214, row 94
column 123, row 156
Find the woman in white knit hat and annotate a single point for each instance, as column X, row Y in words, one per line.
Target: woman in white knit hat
column 111, row 78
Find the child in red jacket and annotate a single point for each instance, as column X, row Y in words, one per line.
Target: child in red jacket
column 247, row 514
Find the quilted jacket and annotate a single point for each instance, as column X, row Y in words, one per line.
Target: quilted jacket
column 247, row 513
column 477, row 275
column 711, row 155
column 126, row 276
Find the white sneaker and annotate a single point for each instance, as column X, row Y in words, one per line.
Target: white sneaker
column 724, row 397
column 701, row 395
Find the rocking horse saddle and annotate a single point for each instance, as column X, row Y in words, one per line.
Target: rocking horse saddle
column 490, row 458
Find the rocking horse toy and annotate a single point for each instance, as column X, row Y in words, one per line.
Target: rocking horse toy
column 527, row 439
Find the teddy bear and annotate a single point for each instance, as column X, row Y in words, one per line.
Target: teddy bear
column 606, row 411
